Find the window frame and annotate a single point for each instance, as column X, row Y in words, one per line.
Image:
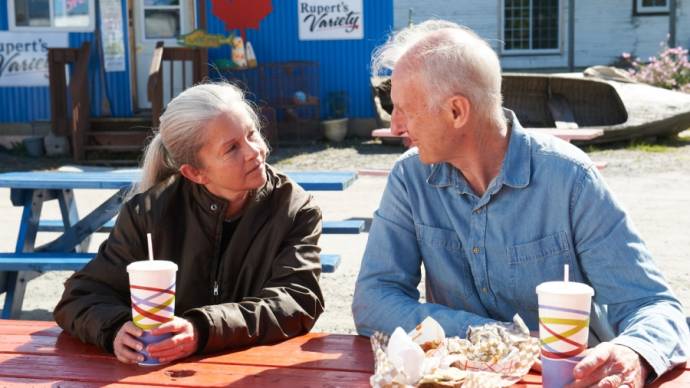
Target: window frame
column 12, row 20
column 182, row 16
column 641, row 10
column 531, row 51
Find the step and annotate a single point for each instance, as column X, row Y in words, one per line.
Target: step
column 117, row 138
column 329, row 227
column 114, row 148
column 120, row 123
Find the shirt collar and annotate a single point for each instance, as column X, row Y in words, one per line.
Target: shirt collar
column 515, row 171
column 517, row 163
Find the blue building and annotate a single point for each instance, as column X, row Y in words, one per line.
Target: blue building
column 123, row 34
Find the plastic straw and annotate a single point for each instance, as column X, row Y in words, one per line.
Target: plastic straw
column 566, row 275
column 148, row 237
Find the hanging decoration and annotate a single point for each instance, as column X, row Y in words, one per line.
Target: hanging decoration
column 241, row 14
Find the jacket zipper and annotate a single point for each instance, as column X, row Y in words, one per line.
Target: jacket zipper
column 215, row 288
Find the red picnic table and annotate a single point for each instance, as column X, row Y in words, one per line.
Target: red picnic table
column 39, row 354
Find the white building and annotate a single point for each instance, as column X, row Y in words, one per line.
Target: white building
column 531, row 34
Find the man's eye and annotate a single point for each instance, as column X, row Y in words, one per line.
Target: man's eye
column 232, row 148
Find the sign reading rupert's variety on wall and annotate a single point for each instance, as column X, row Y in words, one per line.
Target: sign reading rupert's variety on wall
column 330, row 19
column 24, row 57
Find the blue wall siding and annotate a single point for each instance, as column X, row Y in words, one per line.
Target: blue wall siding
column 33, row 103
column 4, row 22
column 343, row 64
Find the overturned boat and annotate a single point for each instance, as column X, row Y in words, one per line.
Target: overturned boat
column 622, row 109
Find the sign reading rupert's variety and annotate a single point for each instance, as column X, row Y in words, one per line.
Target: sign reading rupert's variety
column 330, row 19
column 24, row 57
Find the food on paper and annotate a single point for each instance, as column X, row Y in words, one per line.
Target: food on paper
column 492, row 355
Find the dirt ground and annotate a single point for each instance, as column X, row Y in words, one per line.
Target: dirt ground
column 653, row 183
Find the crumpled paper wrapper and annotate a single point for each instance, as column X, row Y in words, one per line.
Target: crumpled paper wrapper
column 492, row 355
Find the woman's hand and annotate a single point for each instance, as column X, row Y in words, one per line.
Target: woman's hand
column 184, row 342
column 126, row 345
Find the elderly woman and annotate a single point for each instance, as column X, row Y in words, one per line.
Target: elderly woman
column 242, row 234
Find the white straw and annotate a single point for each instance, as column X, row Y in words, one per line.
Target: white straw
column 566, row 275
column 148, row 237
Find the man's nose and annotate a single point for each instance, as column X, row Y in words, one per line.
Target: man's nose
column 397, row 125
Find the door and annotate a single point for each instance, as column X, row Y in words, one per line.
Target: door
column 159, row 20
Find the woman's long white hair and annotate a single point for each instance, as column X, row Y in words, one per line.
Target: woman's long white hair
column 182, row 129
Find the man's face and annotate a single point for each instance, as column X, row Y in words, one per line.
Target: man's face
column 425, row 126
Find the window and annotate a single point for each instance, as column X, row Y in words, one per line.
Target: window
column 162, row 19
column 531, row 25
column 41, row 15
column 650, row 7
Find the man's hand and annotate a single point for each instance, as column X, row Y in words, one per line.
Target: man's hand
column 610, row 365
column 184, row 342
column 126, row 345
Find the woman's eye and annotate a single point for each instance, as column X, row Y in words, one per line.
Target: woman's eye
column 232, row 148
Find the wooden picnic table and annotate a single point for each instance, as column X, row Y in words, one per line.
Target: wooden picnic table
column 31, row 189
column 39, row 354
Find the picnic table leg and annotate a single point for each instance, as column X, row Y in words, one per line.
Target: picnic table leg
column 14, row 295
column 85, row 227
column 15, row 281
column 70, row 215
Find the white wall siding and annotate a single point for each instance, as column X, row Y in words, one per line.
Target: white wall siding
column 480, row 16
column 603, row 29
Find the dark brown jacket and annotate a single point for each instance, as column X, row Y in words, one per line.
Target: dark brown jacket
column 267, row 277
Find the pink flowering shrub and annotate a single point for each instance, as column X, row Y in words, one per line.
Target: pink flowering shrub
column 670, row 70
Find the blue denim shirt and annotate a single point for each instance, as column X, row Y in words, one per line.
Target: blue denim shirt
column 484, row 256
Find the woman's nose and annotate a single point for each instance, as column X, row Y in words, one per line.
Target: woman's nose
column 252, row 150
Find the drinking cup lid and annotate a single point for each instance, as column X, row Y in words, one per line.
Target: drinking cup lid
column 152, row 265
column 567, row 288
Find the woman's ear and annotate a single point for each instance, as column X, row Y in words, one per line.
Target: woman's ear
column 193, row 174
column 460, row 108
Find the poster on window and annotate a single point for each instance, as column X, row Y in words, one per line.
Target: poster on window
column 330, row 19
column 112, row 37
column 24, row 57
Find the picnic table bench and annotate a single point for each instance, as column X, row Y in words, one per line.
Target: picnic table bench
column 69, row 250
column 40, row 354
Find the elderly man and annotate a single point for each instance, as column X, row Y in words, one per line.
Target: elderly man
column 491, row 211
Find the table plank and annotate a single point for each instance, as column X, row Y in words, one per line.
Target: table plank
column 566, row 134
column 320, row 350
column 122, row 178
column 10, row 382
column 189, row 373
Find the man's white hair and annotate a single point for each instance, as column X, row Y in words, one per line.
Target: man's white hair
column 451, row 60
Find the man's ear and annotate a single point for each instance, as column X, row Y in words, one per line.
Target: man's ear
column 460, row 109
column 193, row 174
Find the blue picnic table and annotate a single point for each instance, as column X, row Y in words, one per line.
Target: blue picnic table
column 31, row 189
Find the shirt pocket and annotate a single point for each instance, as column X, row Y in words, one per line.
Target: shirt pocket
column 448, row 275
column 432, row 238
column 535, row 262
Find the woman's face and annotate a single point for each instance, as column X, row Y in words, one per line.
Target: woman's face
column 233, row 156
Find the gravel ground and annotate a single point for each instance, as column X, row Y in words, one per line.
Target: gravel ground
column 653, row 183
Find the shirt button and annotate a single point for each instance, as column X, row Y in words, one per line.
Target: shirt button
column 477, row 211
column 485, row 290
column 214, row 207
column 476, row 250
